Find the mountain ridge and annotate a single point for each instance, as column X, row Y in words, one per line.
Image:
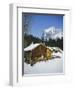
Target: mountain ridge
column 53, row 33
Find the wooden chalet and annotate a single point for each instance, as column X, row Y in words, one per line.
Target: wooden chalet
column 37, row 52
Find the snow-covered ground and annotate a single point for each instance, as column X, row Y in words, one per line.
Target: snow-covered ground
column 54, row 65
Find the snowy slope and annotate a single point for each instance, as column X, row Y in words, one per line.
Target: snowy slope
column 55, row 65
column 58, row 35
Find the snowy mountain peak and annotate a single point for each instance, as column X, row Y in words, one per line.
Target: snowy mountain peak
column 53, row 33
column 50, row 30
column 58, row 35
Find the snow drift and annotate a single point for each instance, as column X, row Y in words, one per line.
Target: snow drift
column 55, row 65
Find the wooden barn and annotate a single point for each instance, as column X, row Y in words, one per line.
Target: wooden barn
column 37, row 52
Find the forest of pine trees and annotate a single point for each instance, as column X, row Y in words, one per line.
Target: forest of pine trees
column 28, row 39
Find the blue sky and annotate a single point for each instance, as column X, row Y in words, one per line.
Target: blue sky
column 41, row 22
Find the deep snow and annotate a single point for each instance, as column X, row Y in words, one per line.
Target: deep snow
column 54, row 65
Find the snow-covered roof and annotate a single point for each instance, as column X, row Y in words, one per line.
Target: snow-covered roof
column 31, row 47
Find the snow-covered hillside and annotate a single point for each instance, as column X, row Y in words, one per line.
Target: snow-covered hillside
column 53, row 33
column 58, row 35
column 55, row 65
